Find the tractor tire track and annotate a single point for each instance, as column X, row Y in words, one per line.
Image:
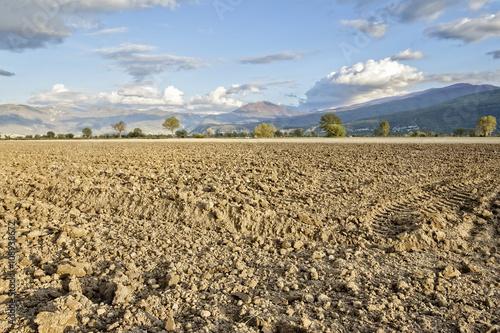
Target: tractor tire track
column 403, row 216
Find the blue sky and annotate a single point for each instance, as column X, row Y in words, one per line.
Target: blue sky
column 217, row 55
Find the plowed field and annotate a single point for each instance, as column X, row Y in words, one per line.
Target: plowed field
column 216, row 236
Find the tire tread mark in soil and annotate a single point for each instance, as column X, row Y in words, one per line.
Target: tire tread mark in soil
column 397, row 218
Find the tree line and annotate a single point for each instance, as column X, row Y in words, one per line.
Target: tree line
column 485, row 127
column 329, row 123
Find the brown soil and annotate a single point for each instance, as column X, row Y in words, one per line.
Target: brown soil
column 251, row 237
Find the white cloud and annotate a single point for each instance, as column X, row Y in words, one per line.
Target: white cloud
column 144, row 96
column 31, row 24
column 130, row 58
column 60, row 94
column 375, row 29
column 228, row 99
column 133, row 95
column 476, row 77
column 414, row 10
column 467, row 29
column 407, row 55
column 276, row 57
column 108, row 32
column 117, row 5
column 5, row 73
column 360, row 83
column 477, row 4
column 114, row 52
column 219, row 99
column 406, row 11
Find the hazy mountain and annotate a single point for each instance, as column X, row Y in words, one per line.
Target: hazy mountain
column 415, row 109
column 423, row 98
column 23, row 119
column 246, row 117
column 265, row 109
column 383, row 106
column 444, row 117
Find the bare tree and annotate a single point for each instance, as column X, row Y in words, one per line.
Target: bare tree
column 119, row 127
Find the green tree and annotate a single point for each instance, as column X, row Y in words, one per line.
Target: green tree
column 70, row 136
column 51, row 135
column 460, row 132
column 208, row 133
column 264, row 130
column 298, row 132
column 486, row 125
column 171, row 124
column 377, row 131
column 87, row 132
column 119, row 127
column 279, row 134
column 329, row 119
column 332, row 125
column 60, row 136
column 385, row 128
column 181, row 134
column 335, row 130
column 136, row 133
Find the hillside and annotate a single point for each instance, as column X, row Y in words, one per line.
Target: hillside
column 246, row 117
column 403, row 103
column 444, row 117
column 265, row 109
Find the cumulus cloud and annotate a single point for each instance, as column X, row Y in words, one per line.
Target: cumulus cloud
column 130, row 58
column 407, row 55
column 144, row 96
column 132, row 95
column 31, row 24
column 60, row 94
column 225, row 99
column 360, row 83
column 375, row 29
column 220, row 98
column 495, row 54
column 276, row 57
column 5, row 73
column 108, row 32
column 468, row 30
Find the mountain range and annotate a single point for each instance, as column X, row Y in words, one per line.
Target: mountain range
column 437, row 109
